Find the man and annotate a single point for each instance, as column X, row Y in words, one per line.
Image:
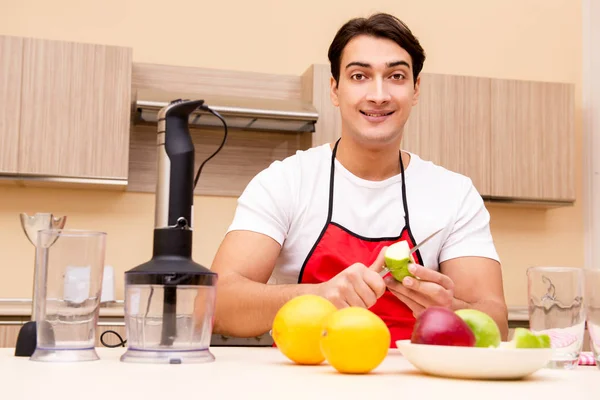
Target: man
column 319, row 221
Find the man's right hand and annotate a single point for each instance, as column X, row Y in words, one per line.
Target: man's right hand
column 356, row 286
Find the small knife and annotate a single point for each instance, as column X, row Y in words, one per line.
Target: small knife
column 384, row 271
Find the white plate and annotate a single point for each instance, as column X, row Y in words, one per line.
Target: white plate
column 502, row 362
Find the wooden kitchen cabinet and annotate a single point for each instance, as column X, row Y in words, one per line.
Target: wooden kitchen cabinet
column 9, row 334
column 11, row 63
column 75, row 110
column 316, row 89
column 532, row 134
column 65, row 110
column 514, row 139
column 450, row 126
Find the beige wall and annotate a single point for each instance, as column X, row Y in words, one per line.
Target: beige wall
column 521, row 39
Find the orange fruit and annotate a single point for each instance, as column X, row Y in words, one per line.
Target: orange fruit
column 298, row 326
column 355, row 340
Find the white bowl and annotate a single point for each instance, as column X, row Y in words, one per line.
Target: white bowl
column 503, row 362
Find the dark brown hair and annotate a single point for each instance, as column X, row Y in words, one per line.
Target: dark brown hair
column 379, row 25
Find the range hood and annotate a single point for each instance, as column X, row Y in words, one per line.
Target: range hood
column 239, row 112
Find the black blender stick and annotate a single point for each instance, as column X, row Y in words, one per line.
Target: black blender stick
column 178, row 188
column 171, row 264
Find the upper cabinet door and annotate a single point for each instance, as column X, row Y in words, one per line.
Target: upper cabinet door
column 316, row 88
column 11, row 64
column 75, row 110
column 532, row 140
column 450, row 126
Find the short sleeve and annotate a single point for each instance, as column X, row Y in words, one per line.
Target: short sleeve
column 470, row 235
column 266, row 203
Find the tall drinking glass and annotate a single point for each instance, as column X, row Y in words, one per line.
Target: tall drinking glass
column 556, row 308
column 592, row 310
column 71, row 266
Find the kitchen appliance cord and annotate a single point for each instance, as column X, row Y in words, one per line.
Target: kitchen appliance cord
column 216, row 114
column 121, row 341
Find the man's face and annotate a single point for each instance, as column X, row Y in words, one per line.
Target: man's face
column 376, row 90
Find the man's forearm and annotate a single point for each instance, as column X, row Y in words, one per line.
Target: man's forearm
column 495, row 309
column 246, row 308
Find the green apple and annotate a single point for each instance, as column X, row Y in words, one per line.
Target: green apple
column 525, row 339
column 397, row 259
column 485, row 329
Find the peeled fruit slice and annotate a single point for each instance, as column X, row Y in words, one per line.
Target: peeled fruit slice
column 441, row 326
column 355, row 340
column 297, row 328
column 525, row 339
column 485, row 329
column 397, row 259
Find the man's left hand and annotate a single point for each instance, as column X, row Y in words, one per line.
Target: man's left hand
column 431, row 288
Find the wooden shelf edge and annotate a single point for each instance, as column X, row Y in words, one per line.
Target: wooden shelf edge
column 31, row 180
column 530, row 203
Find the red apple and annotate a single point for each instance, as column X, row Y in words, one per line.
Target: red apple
column 441, row 326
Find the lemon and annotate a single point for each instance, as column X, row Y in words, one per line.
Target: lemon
column 485, row 329
column 297, row 328
column 355, row 340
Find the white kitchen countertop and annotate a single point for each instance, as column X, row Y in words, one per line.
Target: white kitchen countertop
column 264, row 373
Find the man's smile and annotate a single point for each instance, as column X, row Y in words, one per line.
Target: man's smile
column 376, row 116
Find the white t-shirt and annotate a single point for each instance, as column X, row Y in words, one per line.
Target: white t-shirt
column 288, row 201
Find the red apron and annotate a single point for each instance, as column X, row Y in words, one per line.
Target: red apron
column 337, row 248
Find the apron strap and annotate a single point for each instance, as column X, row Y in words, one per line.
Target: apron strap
column 404, row 200
column 331, row 175
column 331, row 181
